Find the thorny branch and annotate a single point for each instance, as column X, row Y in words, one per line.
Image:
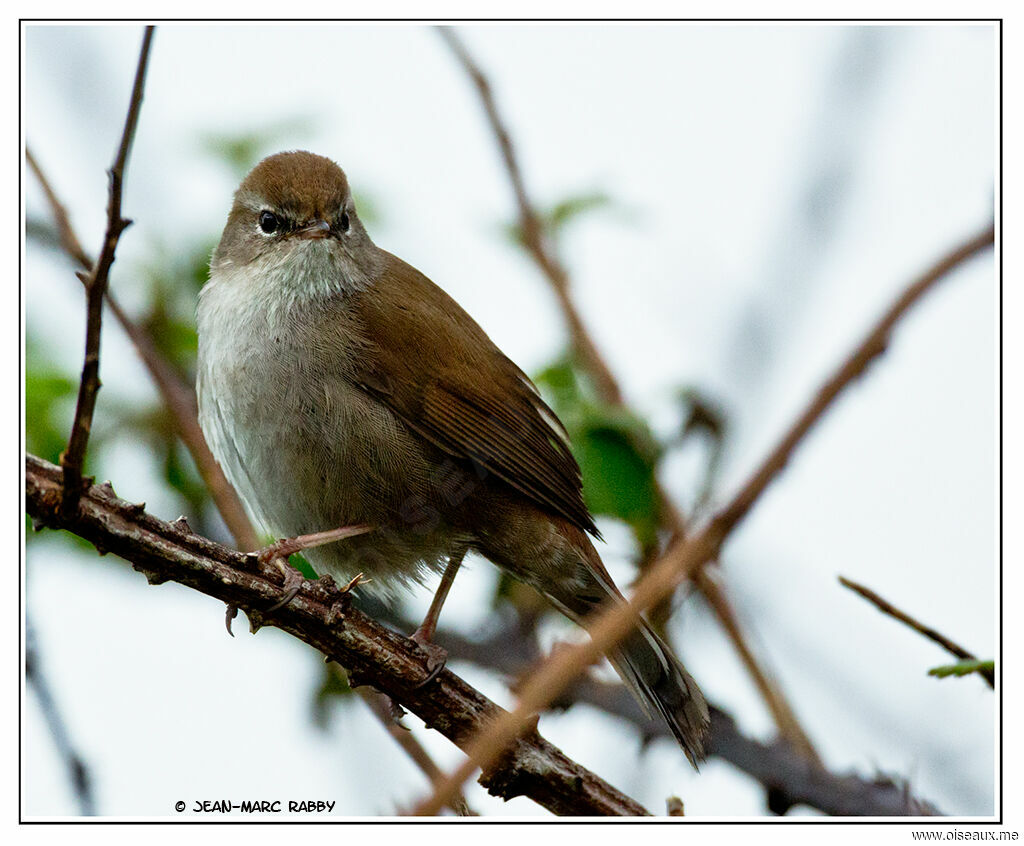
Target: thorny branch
column 321, row 616
column 541, row 249
column 73, row 458
column 685, row 556
column 790, row 779
column 887, row 607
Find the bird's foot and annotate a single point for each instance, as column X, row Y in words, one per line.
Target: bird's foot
column 437, row 656
column 293, row 582
column 277, row 554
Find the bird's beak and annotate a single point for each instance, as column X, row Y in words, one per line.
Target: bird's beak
column 315, row 229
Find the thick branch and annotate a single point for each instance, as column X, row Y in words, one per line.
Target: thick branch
column 684, row 557
column 73, row 458
column 321, row 616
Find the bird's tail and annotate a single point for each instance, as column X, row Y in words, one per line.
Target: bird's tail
column 648, row 667
column 660, row 682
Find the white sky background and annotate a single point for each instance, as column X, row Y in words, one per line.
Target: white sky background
column 776, row 187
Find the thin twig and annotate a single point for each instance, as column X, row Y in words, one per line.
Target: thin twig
column 534, row 236
column 321, row 616
column 684, row 557
column 782, row 712
column 542, row 251
column 379, row 707
column 78, row 772
column 73, row 458
column 887, row 607
column 68, row 239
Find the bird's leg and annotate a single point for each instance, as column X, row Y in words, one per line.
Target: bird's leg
column 436, row 655
column 289, row 546
column 277, row 554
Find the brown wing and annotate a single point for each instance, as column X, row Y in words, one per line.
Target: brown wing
column 441, row 374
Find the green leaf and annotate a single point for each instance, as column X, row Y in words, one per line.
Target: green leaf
column 617, row 453
column 559, row 378
column 618, row 477
column 963, row 668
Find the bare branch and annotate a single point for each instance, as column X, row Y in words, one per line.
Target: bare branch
column 65, row 232
column 73, row 458
column 178, row 396
column 887, row 607
column 790, row 778
column 534, row 236
column 542, row 251
column 684, row 557
column 782, row 712
column 322, row 616
column 78, row 772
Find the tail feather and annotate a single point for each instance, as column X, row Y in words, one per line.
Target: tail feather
column 659, row 681
column 656, row 678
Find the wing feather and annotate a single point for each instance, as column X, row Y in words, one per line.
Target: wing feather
column 437, row 370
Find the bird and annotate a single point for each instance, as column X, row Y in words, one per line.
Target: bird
column 353, row 403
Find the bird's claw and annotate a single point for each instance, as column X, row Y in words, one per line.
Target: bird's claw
column 230, row 612
column 437, row 657
column 293, row 582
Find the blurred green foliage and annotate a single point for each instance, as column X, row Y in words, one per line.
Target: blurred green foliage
column 241, row 150
column 333, row 687
column 50, row 397
column 555, row 218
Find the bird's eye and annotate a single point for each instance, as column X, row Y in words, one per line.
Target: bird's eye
column 269, row 222
column 345, row 222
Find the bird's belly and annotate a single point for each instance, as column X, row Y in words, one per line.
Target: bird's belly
column 311, row 452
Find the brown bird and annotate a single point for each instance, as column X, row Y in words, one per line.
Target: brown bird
column 339, row 387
